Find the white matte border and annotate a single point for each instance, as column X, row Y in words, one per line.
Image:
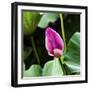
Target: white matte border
column 82, row 45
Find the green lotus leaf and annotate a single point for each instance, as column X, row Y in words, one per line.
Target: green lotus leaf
column 46, row 18
column 30, row 21
column 52, row 68
column 72, row 55
column 33, row 71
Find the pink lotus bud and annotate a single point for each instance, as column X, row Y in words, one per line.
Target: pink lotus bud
column 54, row 43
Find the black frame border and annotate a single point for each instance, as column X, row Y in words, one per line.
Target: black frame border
column 14, row 43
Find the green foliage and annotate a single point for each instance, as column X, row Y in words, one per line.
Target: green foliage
column 71, row 62
column 72, row 55
column 27, row 52
column 52, row 68
column 34, row 70
column 30, row 21
column 46, row 18
column 34, row 26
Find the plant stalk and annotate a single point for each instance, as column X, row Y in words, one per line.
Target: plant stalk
column 62, row 66
column 63, row 32
column 35, row 51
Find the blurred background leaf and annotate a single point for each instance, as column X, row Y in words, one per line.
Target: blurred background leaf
column 46, row 18
column 72, row 55
column 27, row 52
column 30, row 21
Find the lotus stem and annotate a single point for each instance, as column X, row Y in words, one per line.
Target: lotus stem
column 62, row 66
column 63, row 32
column 35, row 51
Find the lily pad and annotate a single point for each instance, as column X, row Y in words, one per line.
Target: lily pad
column 33, row 71
column 52, row 68
column 46, row 18
column 72, row 55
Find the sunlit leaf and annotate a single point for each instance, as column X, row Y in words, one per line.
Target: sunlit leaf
column 46, row 18
column 72, row 55
column 52, row 68
column 34, row 70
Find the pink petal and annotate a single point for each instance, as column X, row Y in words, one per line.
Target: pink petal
column 58, row 52
column 58, row 40
column 49, row 46
column 53, row 41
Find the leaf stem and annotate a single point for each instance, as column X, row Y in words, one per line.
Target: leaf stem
column 63, row 32
column 35, row 51
column 62, row 66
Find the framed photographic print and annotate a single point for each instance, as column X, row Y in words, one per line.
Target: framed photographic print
column 49, row 44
